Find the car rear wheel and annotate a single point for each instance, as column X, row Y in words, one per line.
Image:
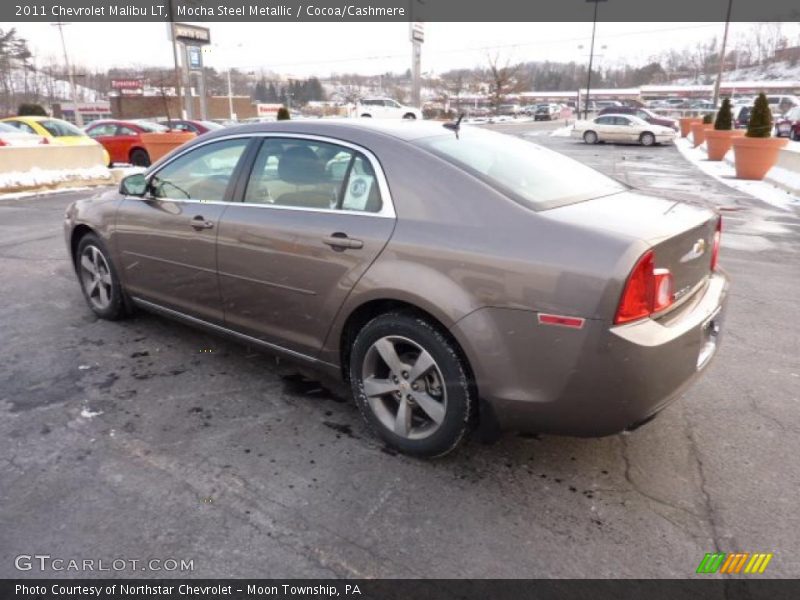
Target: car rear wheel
column 366, row 116
column 140, row 158
column 411, row 385
column 409, row 116
column 99, row 281
column 647, row 139
column 590, row 137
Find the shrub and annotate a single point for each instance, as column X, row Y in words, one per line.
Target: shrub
column 724, row 120
column 708, row 118
column 31, row 110
column 760, row 124
column 283, row 114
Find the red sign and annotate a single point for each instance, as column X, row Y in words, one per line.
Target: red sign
column 126, row 84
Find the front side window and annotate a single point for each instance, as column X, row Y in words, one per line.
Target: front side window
column 201, row 174
column 105, row 129
column 621, row 121
column 312, row 174
column 527, row 173
column 604, row 120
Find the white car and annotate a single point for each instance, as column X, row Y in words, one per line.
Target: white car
column 622, row 128
column 11, row 136
column 386, row 108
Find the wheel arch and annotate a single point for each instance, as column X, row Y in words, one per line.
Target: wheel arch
column 78, row 233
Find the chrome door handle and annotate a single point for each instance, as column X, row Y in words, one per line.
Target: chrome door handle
column 199, row 222
column 340, row 241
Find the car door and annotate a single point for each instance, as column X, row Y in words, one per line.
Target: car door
column 605, row 128
column 315, row 213
column 104, row 134
column 625, row 130
column 166, row 240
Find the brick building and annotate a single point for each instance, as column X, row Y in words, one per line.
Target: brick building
column 152, row 107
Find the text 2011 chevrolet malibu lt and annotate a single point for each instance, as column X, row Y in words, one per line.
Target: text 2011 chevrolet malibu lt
column 452, row 276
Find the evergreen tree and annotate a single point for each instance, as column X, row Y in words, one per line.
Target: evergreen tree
column 760, row 124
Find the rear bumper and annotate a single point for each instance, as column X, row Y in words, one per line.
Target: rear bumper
column 593, row 381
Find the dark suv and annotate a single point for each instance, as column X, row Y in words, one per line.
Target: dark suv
column 642, row 113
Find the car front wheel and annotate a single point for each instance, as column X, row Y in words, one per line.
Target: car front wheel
column 590, row 137
column 409, row 116
column 647, row 139
column 411, row 385
column 98, row 278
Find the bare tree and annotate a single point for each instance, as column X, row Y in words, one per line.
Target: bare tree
column 504, row 78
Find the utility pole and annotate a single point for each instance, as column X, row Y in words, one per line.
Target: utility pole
column 591, row 60
column 78, row 116
column 417, row 35
column 722, row 54
column 230, row 95
column 175, row 57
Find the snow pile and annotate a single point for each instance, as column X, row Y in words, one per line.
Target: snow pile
column 38, row 178
column 724, row 171
column 562, row 132
column 776, row 71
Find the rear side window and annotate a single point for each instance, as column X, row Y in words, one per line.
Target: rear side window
column 529, row 174
column 22, row 126
column 312, row 174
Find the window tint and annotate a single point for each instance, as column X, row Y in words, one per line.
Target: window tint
column 22, row 126
column 621, row 121
column 528, row 173
column 312, row 174
column 101, row 130
column 202, row 174
column 60, row 128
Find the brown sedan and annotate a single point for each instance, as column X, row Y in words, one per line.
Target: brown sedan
column 453, row 278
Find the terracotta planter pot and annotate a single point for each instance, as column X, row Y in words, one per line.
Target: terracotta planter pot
column 686, row 124
column 719, row 142
column 699, row 132
column 162, row 143
column 755, row 156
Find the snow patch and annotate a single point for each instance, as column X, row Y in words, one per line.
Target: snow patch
column 562, row 132
column 87, row 413
column 36, row 177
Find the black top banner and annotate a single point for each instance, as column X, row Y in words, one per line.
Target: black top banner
column 399, row 10
column 400, row 589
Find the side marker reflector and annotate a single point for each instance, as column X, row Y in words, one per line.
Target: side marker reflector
column 573, row 322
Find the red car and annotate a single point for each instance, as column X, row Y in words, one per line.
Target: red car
column 122, row 139
column 789, row 125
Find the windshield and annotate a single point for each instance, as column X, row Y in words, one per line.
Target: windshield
column 528, row 173
column 4, row 128
column 60, row 128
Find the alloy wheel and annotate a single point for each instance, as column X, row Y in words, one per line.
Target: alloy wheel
column 96, row 277
column 404, row 387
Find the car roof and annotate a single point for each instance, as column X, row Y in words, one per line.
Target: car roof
column 401, row 129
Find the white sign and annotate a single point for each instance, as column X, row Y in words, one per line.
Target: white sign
column 417, row 31
column 268, row 110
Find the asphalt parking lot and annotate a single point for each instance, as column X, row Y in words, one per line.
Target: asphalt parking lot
column 148, row 439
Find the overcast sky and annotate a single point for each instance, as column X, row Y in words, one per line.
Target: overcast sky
column 303, row 49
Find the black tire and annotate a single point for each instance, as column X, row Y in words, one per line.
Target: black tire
column 140, row 157
column 590, row 137
column 647, row 139
column 115, row 307
column 410, row 116
column 457, row 393
column 366, row 116
column 794, row 136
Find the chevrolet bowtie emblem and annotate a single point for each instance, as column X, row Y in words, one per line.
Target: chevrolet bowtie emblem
column 697, row 251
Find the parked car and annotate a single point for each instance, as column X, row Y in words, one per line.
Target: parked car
column 642, row 113
column 509, row 110
column 336, row 243
column 741, row 115
column 193, row 126
column 122, row 139
column 386, row 108
column 701, row 105
column 57, row 131
column 789, row 125
column 622, row 128
column 601, row 104
column 547, row 112
column 781, row 104
column 11, row 136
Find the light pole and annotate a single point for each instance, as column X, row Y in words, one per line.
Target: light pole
column 591, row 59
column 77, row 113
column 722, row 53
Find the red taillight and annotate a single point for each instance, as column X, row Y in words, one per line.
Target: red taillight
column 2, row 143
column 648, row 290
column 715, row 248
column 44, row 140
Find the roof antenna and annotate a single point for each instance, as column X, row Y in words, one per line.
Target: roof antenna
column 455, row 126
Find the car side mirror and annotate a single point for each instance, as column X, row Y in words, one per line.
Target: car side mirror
column 133, row 185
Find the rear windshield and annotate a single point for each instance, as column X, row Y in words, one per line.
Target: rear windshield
column 530, row 174
column 150, row 126
column 60, row 128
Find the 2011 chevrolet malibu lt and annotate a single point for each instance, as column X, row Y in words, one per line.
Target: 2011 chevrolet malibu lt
column 452, row 276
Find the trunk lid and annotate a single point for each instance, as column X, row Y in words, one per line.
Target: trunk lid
column 681, row 235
